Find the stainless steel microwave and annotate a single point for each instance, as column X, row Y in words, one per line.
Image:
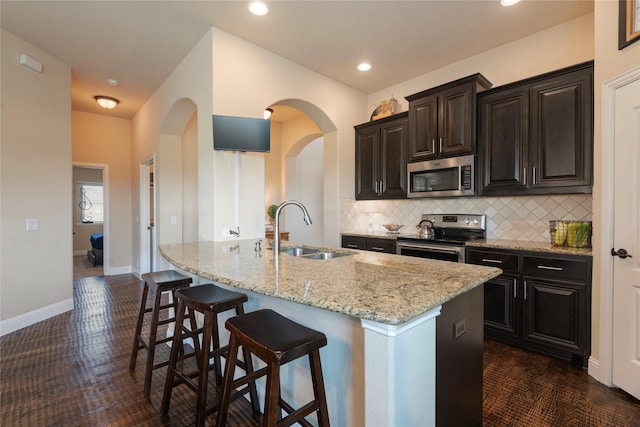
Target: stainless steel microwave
column 450, row 177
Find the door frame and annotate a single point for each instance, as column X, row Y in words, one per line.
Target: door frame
column 106, row 240
column 603, row 369
column 146, row 254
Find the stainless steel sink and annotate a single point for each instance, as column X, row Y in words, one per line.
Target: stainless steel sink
column 299, row 251
column 312, row 253
column 326, row 255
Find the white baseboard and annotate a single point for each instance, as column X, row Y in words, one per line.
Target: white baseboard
column 593, row 368
column 27, row 319
column 112, row 271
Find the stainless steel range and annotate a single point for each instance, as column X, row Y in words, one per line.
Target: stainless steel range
column 443, row 236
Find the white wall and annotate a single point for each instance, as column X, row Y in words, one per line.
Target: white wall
column 305, row 184
column 246, row 79
column 36, row 267
column 557, row 47
column 189, row 85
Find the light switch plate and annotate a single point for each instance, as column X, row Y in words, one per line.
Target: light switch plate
column 33, row 224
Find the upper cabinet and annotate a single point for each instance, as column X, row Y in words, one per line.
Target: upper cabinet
column 442, row 120
column 536, row 136
column 381, row 158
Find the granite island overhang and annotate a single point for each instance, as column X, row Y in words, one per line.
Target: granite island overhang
column 377, row 310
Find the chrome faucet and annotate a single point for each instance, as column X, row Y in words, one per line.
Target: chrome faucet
column 276, row 232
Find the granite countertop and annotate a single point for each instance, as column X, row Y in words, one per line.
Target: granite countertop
column 491, row 243
column 385, row 288
column 528, row 246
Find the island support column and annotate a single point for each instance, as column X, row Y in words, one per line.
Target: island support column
column 400, row 372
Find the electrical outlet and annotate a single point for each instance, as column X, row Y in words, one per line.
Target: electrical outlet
column 459, row 328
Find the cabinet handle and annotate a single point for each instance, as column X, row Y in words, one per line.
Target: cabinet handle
column 441, row 145
column 433, row 145
column 525, row 290
column 352, row 246
column 381, row 187
column 524, row 173
column 495, row 261
column 377, row 249
column 533, row 175
column 515, row 288
column 546, row 267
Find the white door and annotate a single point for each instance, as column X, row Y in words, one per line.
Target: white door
column 626, row 269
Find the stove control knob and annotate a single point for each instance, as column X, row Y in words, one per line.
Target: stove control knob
column 466, row 221
column 475, row 221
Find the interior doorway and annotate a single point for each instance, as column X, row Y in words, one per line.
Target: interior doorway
column 90, row 220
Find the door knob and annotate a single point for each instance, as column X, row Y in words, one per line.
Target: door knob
column 622, row 253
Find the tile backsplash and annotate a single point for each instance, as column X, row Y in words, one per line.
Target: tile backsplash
column 524, row 218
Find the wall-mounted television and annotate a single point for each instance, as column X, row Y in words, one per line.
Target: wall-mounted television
column 241, row 134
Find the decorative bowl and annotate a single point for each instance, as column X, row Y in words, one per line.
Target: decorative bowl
column 393, row 228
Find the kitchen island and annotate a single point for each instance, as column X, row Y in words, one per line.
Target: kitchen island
column 377, row 310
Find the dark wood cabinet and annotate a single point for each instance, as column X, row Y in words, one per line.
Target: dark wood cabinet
column 536, row 136
column 373, row 244
column 541, row 302
column 381, row 158
column 442, row 120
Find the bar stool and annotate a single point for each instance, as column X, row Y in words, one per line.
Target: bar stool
column 157, row 282
column 276, row 340
column 210, row 300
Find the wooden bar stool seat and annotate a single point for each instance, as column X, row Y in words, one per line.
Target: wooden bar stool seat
column 156, row 283
column 210, row 300
column 276, row 340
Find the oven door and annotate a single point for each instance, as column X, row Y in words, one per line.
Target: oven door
column 431, row 251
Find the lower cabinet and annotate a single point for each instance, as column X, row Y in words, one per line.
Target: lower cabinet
column 541, row 302
column 373, row 244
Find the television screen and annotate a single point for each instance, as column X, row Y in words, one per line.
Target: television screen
column 241, row 134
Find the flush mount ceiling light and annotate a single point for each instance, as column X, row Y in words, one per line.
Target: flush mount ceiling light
column 509, row 2
column 365, row 66
column 267, row 113
column 258, row 8
column 106, row 101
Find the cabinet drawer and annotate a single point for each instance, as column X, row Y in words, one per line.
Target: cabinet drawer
column 557, row 268
column 381, row 245
column 354, row 242
column 506, row 261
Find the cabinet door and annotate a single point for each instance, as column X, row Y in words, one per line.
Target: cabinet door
column 456, row 125
column 555, row 315
column 367, row 163
column 504, row 141
column 501, row 306
column 562, row 132
column 423, row 131
column 393, row 161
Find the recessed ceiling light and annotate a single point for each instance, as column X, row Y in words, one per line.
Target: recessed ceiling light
column 509, row 2
column 112, row 82
column 258, row 8
column 365, row 66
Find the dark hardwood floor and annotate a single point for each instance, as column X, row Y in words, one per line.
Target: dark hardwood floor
column 72, row 370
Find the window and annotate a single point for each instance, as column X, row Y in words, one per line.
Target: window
column 89, row 202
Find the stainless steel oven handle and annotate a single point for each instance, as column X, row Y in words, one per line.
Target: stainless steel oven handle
column 434, row 248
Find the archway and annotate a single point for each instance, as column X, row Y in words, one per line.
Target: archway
column 295, row 142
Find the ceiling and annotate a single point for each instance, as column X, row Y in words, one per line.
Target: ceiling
column 139, row 43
